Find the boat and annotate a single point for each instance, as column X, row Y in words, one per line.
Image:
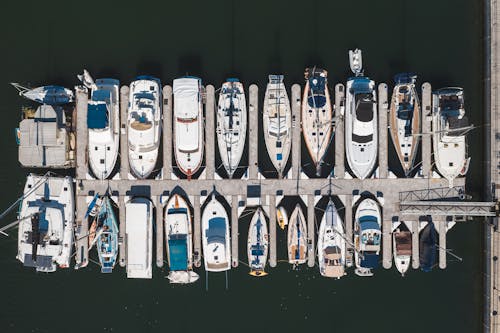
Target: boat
column 404, row 120
column 361, row 133
column 316, row 115
column 331, row 244
column 428, row 247
column 277, row 123
column 50, row 95
column 281, row 217
column 139, row 238
column 402, row 245
column 231, row 124
column 257, row 244
column 367, row 237
column 188, row 124
column 297, row 237
column 449, row 127
column 144, row 125
column 179, row 241
column 103, row 122
column 215, row 235
column 103, row 232
column 46, row 223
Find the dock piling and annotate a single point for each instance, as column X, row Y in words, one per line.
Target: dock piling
column 123, row 247
column 414, row 247
column 210, row 132
column 124, row 165
column 167, row 132
column 82, row 240
column 387, row 243
column 234, row 230
column 253, row 132
column 197, row 231
column 383, row 106
column 159, row 231
column 82, row 135
column 442, row 243
column 426, row 129
column 296, row 131
column 311, row 230
column 272, row 231
column 339, row 170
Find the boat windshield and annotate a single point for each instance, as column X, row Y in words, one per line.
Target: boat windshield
column 364, row 107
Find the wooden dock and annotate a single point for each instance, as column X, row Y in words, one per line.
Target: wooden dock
column 383, row 109
column 426, row 129
column 253, row 131
column 339, row 137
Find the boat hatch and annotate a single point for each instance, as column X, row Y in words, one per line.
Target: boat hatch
column 216, row 232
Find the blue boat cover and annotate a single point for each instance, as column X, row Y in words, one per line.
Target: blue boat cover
column 178, row 253
column 55, row 95
column 368, row 222
column 318, row 84
column 216, row 232
column 403, row 78
column 369, row 260
column 316, row 101
column 101, row 95
column 361, row 84
column 232, row 79
column 97, row 116
column 181, row 210
column 145, row 95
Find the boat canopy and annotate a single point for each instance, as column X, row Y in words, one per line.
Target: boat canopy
column 316, row 101
column 177, row 246
column 361, row 84
column 216, row 232
column 186, row 97
column 369, row 260
column 97, row 116
column 403, row 243
column 181, row 210
column 368, row 222
column 101, row 95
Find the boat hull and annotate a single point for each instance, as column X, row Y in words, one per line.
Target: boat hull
column 331, row 244
column 257, row 243
column 297, row 237
column 216, row 238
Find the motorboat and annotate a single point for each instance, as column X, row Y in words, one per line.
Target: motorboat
column 404, row 120
column 449, row 127
column 215, row 236
column 103, row 122
column 144, row 125
column 331, row 244
column 188, row 124
column 231, row 124
column 46, row 223
column 179, row 241
column 402, row 247
column 297, row 237
column 277, row 123
column 367, row 237
column 361, row 132
column 428, row 246
column 281, row 217
column 139, row 237
column 50, row 95
column 257, row 244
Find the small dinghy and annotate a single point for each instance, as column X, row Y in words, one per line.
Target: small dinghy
column 428, row 247
column 402, row 245
column 367, row 237
column 331, row 244
column 51, row 95
column 281, row 217
column 215, row 235
column 297, row 237
column 257, row 245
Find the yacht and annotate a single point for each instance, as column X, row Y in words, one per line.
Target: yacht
column 46, row 226
column 231, row 124
column 331, row 244
column 316, row 115
column 144, row 125
column 103, row 122
column 367, row 237
column 257, row 244
column 297, row 237
column 179, row 241
column 361, row 134
column 402, row 245
column 404, row 120
column 188, row 124
column 277, row 123
column 139, row 238
column 428, row 246
column 50, row 95
column 215, row 235
column 449, row 127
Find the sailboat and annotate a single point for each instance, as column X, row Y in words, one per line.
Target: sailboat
column 179, row 241
column 367, row 237
column 46, row 226
column 361, row 133
column 231, row 124
column 215, row 235
column 277, row 123
column 257, row 244
column 188, row 124
column 144, row 125
column 103, row 122
column 139, row 238
column 103, row 233
column 331, row 244
column 404, row 120
column 402, row 245
column 316, row 115
column 297, row 237
column 428, row 247
column 449, row 127
column 51, row 95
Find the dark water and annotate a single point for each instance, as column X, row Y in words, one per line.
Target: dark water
column 50, row 42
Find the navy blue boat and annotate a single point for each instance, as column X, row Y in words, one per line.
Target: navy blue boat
column 428, row 247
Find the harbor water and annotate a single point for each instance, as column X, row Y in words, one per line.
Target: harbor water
column 49, row 42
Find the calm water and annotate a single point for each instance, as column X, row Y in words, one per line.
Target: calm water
column 50, row 42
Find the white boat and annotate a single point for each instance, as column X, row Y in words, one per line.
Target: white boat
column 139, row 238
column 331, row 244
column 367, row 237
column 361, row 132
column 402, row 247
column 144, row 125
column 257, row 244
column 277, row 123
column 179, row 241
column 297, row 237
column 103, row 122
column 231, row 124
column 316, row 115
column 215, row 235
column 188, row 124
column 46, row 226
column 404, row 120
column 51, row 95
column 449, row 127
column 281, row 217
